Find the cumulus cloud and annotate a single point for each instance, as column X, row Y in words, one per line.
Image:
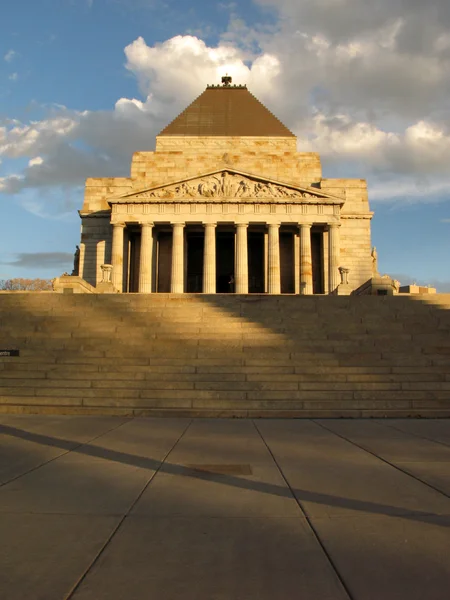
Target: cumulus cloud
column 72, row 145
column 364, row 84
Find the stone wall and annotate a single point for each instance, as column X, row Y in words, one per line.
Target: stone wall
column 95, row 249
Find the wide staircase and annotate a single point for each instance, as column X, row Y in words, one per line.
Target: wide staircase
column 225, row 355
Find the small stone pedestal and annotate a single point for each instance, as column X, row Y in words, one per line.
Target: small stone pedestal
column 106, row 285
column 344, row 288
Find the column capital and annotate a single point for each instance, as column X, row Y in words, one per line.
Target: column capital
column 333, row 225
column 123, row 225
column 241, row 225
column 178, row 224
column 274, row 225
column 209, row 224
column 305, row 225
column 146, row 224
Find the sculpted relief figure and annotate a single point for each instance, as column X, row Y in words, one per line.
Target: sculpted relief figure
column 243, row 190
column 226, row 185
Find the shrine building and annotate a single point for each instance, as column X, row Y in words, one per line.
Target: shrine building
column 226, row 204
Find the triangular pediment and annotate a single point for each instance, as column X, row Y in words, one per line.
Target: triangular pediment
column 229, row 186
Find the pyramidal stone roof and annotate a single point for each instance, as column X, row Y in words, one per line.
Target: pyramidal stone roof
column 227, row 110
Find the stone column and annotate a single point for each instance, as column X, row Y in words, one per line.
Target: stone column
column 209, row 259
column 145, row 261
column 266, row 262
column 241, row 262
column 297, row 263
column 306, row 278
column 177, row 279
column 117, row 255
column 333, row 257
column 274, row 286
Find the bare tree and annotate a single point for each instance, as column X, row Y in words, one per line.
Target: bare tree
column 19, row 284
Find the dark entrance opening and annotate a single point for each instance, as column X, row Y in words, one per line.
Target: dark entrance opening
column 225, row 262
column 256, row 262
column 287, row 262
column 134, row 253
column 317, row 262
column 164, row 261
column 195, row 245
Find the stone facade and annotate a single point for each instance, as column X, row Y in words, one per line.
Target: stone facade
column 226, row 213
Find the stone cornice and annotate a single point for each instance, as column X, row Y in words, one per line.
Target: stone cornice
column 368, row 216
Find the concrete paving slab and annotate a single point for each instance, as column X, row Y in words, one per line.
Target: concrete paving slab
column 390, row 558
column 435, row 474
column 43, row 556
column 139, row 441
column 219, row 468
column 389, row 443
column 212, row 559
column 18, row 456
column 437, row 430
column 74, row 428
column 218, row 521
column 99, row 478
column 427, row 460
column 332, row 477
column 76, row 484
column 26, row 442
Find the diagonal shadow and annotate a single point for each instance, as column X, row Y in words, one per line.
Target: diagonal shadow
column 222, row 479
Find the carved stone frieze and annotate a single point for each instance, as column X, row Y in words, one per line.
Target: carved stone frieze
column 226, row 185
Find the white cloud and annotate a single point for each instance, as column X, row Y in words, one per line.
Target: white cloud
column 13, row 77
column 10, row 55
column 38, row 160
column 353, row 85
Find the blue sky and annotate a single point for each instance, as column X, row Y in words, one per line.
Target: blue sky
column 84, row 83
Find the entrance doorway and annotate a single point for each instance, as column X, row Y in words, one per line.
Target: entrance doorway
column 256, row 262
column 164, row 261
column 134, row 253
column 195, row 245
column 287, row 262
column 225, row 262
column 317, row 262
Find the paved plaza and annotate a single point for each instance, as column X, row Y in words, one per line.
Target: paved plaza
column 95, row 508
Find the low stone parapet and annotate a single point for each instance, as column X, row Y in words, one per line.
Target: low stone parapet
column 70, row 284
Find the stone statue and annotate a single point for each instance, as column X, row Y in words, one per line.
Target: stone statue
column 76, row 262
column 374, row 262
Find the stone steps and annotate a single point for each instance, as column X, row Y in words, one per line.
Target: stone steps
column 226, row 355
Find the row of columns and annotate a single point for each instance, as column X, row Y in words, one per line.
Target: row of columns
column 209, row 261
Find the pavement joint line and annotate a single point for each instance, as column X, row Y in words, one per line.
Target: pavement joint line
column 417, row 435
column 47, row 462
column 393, row 465
column 306, row 516
column 123, row 518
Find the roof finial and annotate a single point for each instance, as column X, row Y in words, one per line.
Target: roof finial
column 227, row 80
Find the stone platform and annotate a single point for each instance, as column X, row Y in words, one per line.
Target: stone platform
column 109, row 508
column 225, row 355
